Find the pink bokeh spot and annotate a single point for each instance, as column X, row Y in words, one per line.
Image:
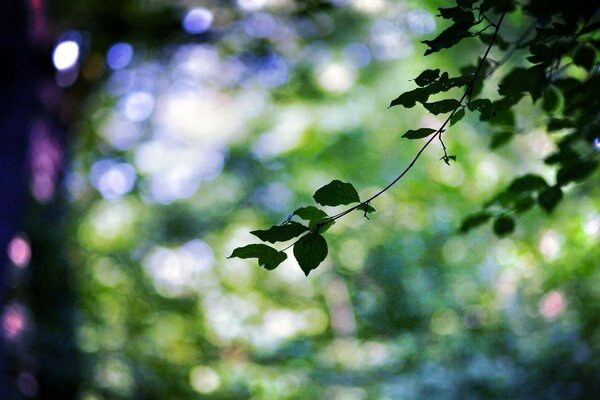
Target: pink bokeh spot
column 552, row 304
column 14, row 321
column 19, row 251
column 45, row 160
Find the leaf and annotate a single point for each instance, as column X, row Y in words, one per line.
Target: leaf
column 268, row 257
column 442, row 106
column 590, row 28
column 474, row 220
column 311, row 214
column 484, row 106
column 523, row 204
column 527, row 183
column 336, row 193
column 418, row 133
column 521, row 80
column 556, row 124
column 426, row 77
column 551, row 100
column 457, row 116
column 575, row 172
column 585, row 57
column 281, row 233
column 409, row 99
column 367, row 209
column 310, row 251
column 549, row 198
column 504, row 225
column 449, row 37
column 500, row 138
column 457, row 14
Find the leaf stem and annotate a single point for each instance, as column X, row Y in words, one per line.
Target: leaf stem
column 437, row 134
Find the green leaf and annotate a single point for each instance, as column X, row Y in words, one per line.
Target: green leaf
column 521, row 80
column 551, row 100
column 449, row 37
column 504, row 225
column 366, row 208
column 311, row 214
column 500, row 138
column 575, row 172
column 523, row 204
column 442, row 106
column 426, row 77
column 549, row 198
column 418, row 133
column 268, row 257
column 457, row 116
column 585, row 57
column 409, row 99
column 336, row 193
column 527, row 183
column 474, row 220
column 484, row 106
column 310, row 251
column 281, row 233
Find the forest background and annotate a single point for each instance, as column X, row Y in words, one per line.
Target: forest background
column 158, row 135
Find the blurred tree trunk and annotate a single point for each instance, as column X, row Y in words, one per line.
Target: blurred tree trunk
column 17, row 102
column 51, row 357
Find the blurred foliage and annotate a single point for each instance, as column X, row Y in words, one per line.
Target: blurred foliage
column 202, row 137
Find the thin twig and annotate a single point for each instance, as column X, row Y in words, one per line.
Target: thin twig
column 438, row 133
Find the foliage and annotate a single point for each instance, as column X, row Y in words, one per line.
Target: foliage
column 402, row 308
column 563, row 41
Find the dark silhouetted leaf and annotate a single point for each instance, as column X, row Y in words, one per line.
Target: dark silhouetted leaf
column 523, row 204
column 442, row 106
column 449, row 37
column 418, row 133
column 591, row 28
column 585, row 56
column 457, row 116
column 575, row 172
column 409, row 99
column 564, row 155
column 527, row 183
column 310, row 251
column 312, row 214
column 500, row 138
column 484, row 106
column 504, row 225
column 475, row 220
column 336, row 193
column 268, row 257
column 280, row 233
column 366, row 208
column 551, row 100
column 521, row 80
column 549, row 198
column 556, row 124
column 428, row 76
column 457, row 14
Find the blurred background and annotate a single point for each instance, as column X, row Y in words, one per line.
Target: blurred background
column 143, row 139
